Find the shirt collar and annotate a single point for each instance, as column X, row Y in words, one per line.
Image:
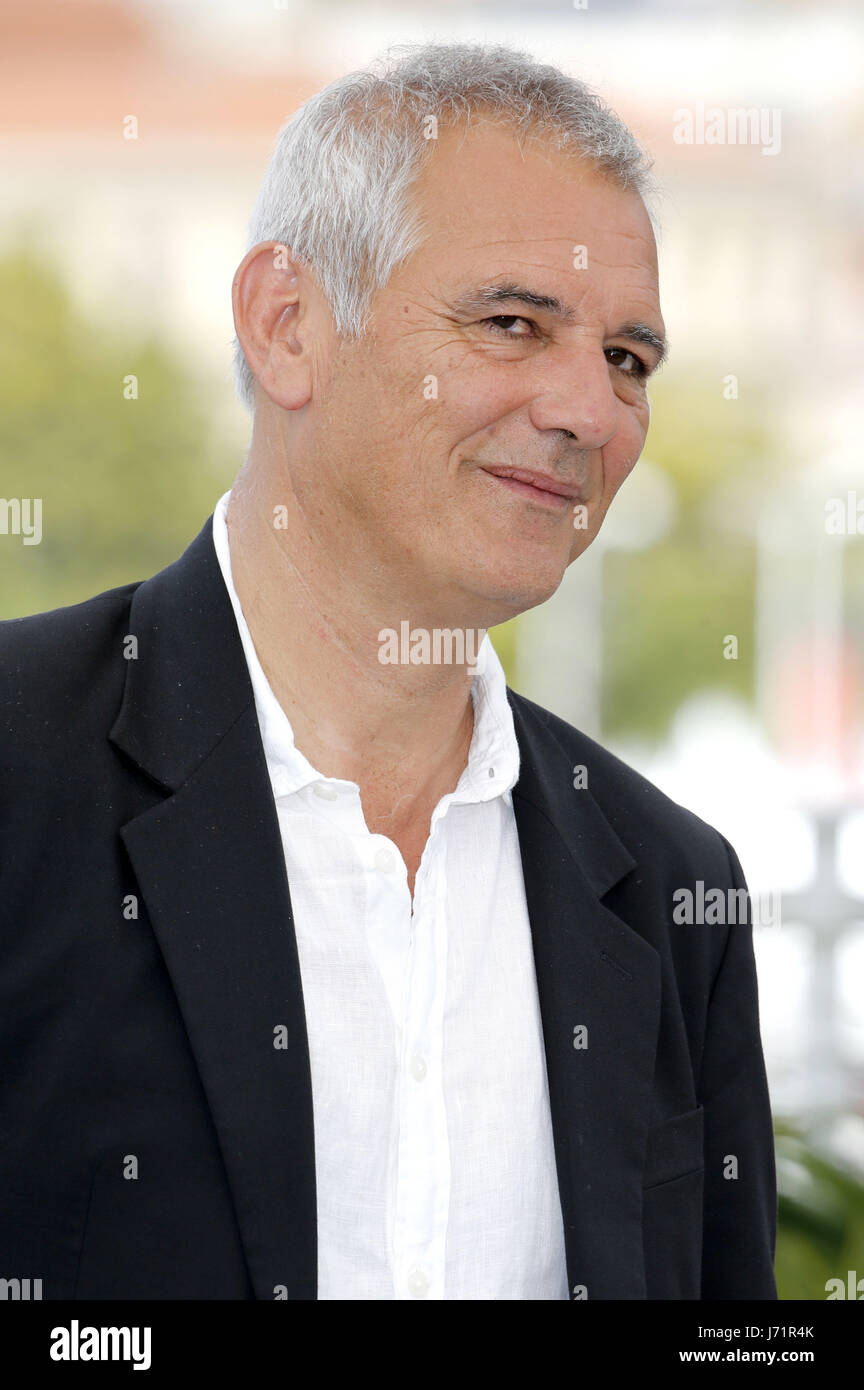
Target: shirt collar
column 493, row 757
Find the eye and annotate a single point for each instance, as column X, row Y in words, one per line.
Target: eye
column 636, row 368
column 501, row 319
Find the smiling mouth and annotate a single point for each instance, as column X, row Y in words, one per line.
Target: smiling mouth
column 534, row 487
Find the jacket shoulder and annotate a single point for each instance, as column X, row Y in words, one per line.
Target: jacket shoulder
column 55, row 665
column 640, row 812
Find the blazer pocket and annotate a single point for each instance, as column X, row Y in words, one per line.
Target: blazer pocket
column 675, row 1148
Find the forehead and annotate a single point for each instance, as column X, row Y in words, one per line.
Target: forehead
column 487, row 196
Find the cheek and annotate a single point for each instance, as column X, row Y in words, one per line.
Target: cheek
column 622, row 454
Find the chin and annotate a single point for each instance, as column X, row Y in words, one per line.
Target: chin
column 508, row 595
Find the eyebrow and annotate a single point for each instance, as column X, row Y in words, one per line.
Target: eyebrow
column 489, row 296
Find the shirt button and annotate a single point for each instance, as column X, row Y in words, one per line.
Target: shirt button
column 418, row 1067
column 327, row 793
column 418, row 1284
column 385, row 860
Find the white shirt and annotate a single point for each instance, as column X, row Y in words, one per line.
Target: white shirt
column 434, row 1158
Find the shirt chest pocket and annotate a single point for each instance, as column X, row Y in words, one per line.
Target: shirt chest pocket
column 675, row 1148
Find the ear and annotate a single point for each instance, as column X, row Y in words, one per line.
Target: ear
column 271, row 296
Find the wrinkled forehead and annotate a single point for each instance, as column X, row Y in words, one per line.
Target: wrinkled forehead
column 486, row 189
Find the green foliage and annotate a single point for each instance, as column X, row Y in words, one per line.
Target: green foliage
column 667, row 615
column 669, row 608
column 820, row 1232
column 125, row 484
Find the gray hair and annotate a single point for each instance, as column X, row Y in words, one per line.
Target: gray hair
column 336, row 190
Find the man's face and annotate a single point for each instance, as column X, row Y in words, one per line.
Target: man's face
column 451, row 383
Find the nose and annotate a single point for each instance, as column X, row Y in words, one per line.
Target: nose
column 575, row 396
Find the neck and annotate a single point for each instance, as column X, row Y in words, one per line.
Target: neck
column 314, row 611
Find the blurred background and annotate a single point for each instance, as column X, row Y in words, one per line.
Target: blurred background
column 712, row 636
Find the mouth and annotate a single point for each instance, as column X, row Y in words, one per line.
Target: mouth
column 534, row 487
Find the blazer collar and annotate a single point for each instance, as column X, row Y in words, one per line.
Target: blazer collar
column 211, row 869
column 188, row 682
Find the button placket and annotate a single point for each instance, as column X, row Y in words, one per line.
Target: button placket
column 423, row 1167
column 418, row 1284
column 385, row 860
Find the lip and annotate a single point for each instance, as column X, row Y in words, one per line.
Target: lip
column 537, row 486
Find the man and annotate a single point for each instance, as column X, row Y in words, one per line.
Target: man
column 332, row 967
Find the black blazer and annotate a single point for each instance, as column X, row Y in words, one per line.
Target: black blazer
column 153, row 1141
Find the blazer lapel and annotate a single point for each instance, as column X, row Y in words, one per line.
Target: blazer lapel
column 593, row 973
column 210, row 866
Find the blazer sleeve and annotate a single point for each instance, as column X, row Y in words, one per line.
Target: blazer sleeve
column 740, row 1188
